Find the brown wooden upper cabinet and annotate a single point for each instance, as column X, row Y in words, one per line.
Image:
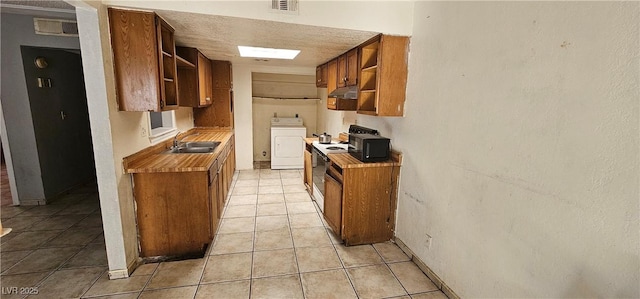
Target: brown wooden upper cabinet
column 348, row 68
column 194, row 78
column 321, row 75
column 144, row 61
column 332, row 81
column 378, row 67
column 222, row 74
column 383, row 75
column 220, row 112
column 332, row 75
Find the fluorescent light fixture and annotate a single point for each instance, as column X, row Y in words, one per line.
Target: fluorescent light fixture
column 267, row 52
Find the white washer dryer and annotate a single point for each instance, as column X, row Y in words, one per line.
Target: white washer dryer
column 287, row 143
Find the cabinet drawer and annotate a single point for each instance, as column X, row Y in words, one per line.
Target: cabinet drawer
column 213, row 171
column 335, row 172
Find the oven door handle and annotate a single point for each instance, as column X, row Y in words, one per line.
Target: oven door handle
column 320, row 154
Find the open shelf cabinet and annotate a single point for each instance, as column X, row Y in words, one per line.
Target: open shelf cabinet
column 169, row 71
column 144, row 61
column 383, row 76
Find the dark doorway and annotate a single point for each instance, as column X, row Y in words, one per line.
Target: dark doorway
column 55, row 85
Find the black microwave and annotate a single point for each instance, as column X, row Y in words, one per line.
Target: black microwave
column 369, row 148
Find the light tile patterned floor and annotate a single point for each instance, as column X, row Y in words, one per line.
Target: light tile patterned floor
column 272, row 243
column 57, row 249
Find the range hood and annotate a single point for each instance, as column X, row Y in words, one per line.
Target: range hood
column 349, row 92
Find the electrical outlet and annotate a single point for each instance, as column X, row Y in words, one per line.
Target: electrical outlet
column 143, row 131
column 427, row 241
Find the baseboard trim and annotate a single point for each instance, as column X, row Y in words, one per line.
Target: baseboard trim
column 33, row 202
column 124, row 273
column 432, row 275
column 118, row 274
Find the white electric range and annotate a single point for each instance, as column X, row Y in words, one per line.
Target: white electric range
column 320, row 164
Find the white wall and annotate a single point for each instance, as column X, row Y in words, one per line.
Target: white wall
column 283, row 95
column 263, row 111
column 17, row 30
column 243, row 106
column 521, row 147
column 391, row 17
column 115, row 135
column 284, row 86
column 330, row 121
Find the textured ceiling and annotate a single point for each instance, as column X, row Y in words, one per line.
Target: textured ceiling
column 217, row 37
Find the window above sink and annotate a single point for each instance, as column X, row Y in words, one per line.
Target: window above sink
column 160, row 125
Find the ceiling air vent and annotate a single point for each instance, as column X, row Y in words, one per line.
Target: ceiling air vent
column 55, row 27
column 284, row 6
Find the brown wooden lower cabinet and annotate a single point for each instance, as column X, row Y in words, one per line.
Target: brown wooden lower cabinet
column 226, row 168
column 170, row 206
column 308, row 167
column 178, row 213
column 214, row 217
column 359, row 202
column 333, row 202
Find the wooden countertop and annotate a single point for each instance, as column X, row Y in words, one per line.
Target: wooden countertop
column 310, row 140
column 154, row 159
column 346, row 160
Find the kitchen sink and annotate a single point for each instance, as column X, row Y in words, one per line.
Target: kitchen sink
column 195, row 147
column 212, row 144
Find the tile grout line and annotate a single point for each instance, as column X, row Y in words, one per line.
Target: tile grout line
column 63, row 231
column 293, row 243
column 59, row 267
column 255, row 232
column 344, row 270
column 390, row 270
column 105, row 272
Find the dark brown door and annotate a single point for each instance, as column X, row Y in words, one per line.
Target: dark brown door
column 58, row 104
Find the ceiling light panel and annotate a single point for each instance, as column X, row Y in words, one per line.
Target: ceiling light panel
column 258, row 52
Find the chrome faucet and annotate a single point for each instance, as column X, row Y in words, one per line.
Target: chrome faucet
column 177, row 141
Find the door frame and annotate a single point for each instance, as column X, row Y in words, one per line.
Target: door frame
column 6, row 148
